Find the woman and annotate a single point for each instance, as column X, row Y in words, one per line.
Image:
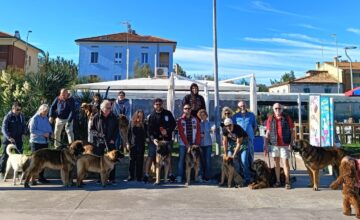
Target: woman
column 137, row 136
column 40, row 132
column 206, row 145
column 226, row 113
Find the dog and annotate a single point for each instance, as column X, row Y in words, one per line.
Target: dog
column 89, row 110
column 349, row 179
column 88, row 149
column 102, row 165
column 57, row 159
column 316, row 158
column 228, row 171
column 192, row 160
column 163, row 159
column 265, row 177
column 18, row 162
column 123, row 130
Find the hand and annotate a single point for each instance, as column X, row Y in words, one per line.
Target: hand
column 46, row 135
column 156, row 142
column 266, row 153
column 12, row 140
column 51, row 120
column 111, row 141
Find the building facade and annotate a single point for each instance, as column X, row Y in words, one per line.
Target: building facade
column 17, row 53
column 114, row 56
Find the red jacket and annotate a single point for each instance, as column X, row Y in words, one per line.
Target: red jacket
column 196, row 130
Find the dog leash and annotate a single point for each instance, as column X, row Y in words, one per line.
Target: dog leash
column 293, row 159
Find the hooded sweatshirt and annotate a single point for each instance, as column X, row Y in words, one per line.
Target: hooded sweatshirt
column 195, row 100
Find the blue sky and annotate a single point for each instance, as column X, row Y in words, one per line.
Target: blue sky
column 267, row 38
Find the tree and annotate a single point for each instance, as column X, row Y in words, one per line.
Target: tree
column 262, row 88
column 203, row 77
column 142, row 71
column 181, row 71
column 286, row 77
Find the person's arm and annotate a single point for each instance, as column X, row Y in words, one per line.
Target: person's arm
column 203, row 106
column 182, row 135
column 238, row 146
column 5, row 127
column 71, row 103
column 225, row 145
column 151, row 129
column 127, row 109
column 129, row 134
column 198, row 133
column 292, row 129
column 254, row 123
column 267, row 138
column 172, row 124
column 52, row 110
column 34, row 128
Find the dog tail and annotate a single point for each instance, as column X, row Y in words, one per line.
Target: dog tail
column 10, row 147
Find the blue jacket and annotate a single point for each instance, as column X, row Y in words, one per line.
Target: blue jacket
column 39, row 126
column 121, row 107
column 13, row 126
column 63, row 109
column 205, row 131
column 247, row 122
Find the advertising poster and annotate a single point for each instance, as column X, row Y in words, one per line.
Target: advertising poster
column 314, row 120
column 326, row 119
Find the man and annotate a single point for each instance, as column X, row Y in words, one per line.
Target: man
column 121, row 107
column 279, row 134
column 190, row 134
column 195, row 100
column 161, row 124
column 62, row 110
column 105, row 129
column 235, row 142
column 13, row 128
column 247, row 121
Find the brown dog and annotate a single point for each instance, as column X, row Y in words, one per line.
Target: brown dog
column 92, row 163
column 163, row 159
column 89, row 110
column 316, row 158
column 265, row 177
column 228, row 171
column 123, row 130
column 192, row 160
column 349, row 179
column 88, row 149
column 57, row 159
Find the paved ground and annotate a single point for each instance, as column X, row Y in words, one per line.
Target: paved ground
column 173, row 201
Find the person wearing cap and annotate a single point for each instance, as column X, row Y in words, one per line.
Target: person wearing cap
column 195, row 100
column 235, row 142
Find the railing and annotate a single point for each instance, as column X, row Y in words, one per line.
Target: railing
column 303, row 133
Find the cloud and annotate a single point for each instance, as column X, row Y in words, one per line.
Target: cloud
column 268, row 8
column 309, row 26
column 303, row 37
column 283, row 41
column 354, row 30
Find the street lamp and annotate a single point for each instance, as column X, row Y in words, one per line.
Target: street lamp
column 337, row 68
column 351, row 74
column 128, row 25
column 337, row 56
column 26, row 50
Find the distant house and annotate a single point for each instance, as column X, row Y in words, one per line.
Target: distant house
column 106, row 56
column 13, row 52
column 314, row 82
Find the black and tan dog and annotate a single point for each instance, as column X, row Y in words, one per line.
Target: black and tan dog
column 57, row 159
column 192, row 160
column 316, row 158
column 265, row 177
column 163, row 159
column 102, row 165
column 228, row 171
column 123, row 130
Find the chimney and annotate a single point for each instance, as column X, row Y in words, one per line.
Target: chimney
column 317, row 65
column 17, row 34
column 335, row 61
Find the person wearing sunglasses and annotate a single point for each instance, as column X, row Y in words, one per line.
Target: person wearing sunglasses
column 13, row 128
column 226, row 112
column 279, row 136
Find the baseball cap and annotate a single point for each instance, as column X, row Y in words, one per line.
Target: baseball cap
column 228, row 121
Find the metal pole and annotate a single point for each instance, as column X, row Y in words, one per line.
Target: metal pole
column 351, row 73
column 299, row 117
column 337, row 56
column 216, row 81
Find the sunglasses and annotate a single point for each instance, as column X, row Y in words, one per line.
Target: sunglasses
column 158, row 104
column 227, row 113
column 187, row 108
column 18, row 109
column 277, row 108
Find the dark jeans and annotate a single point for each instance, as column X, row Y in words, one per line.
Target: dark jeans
column 205, row 170
column 100, row 150
column 4, row 156
column 136, row 161
column 34, row 147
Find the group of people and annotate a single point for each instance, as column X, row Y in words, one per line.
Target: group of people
column 194, row 128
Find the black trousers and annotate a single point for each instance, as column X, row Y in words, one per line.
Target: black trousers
column 34, row 147
column 136, row 161
column 4, row 156
column 100, row 150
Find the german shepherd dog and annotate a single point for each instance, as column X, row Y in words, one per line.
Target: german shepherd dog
column 265, row 177
column 163, row 159
column 18, row 162
column 92, row 163
column 228, row 171
column 57, row 159
column 88, row 149
column 123, row 130
column 316, row 158
column 192, row 160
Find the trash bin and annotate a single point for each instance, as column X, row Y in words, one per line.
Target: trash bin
column 259, row 144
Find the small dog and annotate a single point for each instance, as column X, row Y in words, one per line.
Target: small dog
column 18, row 162
column 163, row 159
column 123, row 130
column 349, row 178
column 192, row 160
column 265, row 177
column 228, row 171
column 57, row 159
column 92, row 163
column 316, row 158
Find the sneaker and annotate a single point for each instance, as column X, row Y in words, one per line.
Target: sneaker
column 146, row 179
column 172, row 178
column 205, row 179
column 129, row 179
column 178, row 179
column 112, row 182
column 277, row 185
column 287, row 186
column 43, row 180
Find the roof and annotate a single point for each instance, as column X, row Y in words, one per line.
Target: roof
column 6, row 35
column 126, row 37
column 320, row 78
column 346, row 65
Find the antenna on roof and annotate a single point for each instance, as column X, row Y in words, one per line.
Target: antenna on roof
column 128, row 25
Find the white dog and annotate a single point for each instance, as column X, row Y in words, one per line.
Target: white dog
column 18, row 162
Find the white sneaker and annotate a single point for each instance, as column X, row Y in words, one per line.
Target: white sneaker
column 178, row 179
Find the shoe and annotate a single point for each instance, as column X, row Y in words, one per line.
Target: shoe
column 146, row 179
column 34, row 183
column 129, row 179
column 172, row 178
column 43, row 180
column 287, row 186
column 112, row 182
column 178, row 179
column 277, row 185
column 205, row 179
column 199, row 179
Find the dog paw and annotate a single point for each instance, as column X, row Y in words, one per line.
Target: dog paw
column 316, row 189
column 26, row 185
column 157, row 183
column 187, row 184
column 348, row 213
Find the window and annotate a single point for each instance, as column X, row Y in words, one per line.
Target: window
column 94, row 57
column 306, row 90
column 327, row 90
column 118, row 57
column 29, row 60
column 117, row 77
column 144, row 58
